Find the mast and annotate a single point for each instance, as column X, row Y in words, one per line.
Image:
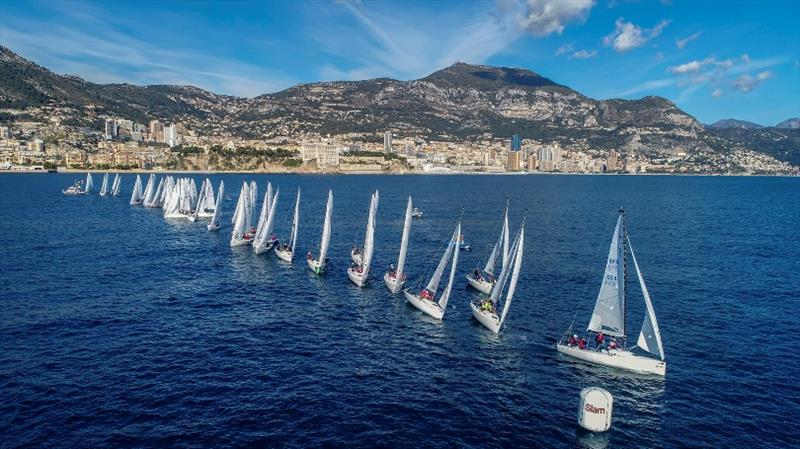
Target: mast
column 401, row 259
column 624, row 273
column 448, row 289
column 295, row 220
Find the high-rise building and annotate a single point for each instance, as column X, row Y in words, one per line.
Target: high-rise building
column 111, row 129
column 387, row 142
column 549, row 158
column 532, row 162
column 156, row 130
column 171, row 136
column 612, row 162
column 513, row 161
column 516, row 142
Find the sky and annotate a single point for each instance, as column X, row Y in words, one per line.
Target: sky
column 714, row 59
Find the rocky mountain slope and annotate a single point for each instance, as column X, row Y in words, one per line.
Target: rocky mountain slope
column 461, row 102
column 731, row 123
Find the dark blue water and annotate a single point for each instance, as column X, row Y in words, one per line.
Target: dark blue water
column 121, row 329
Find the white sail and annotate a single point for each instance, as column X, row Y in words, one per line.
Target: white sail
column 252, row 206
column 295, row 221
column 446, row 294
column 505, row 272
column 104, row 185
column 89, row 182
column 240, row 227
column 369, row 239
column 155, row 201
column 401, row 259
column 136, row 196
column 650, row 335
column 208, row 202
column 326, row 231
column 433, row 284
column 516, row 259
column 267, row 231
column 149, row 189
column 609, row 311
column 262, row 219
column 239, row 206
column 115, row 185
column 505, row 237
column 199, row 200
column 214, row 224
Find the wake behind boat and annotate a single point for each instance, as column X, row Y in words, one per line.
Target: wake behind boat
column 608, row 320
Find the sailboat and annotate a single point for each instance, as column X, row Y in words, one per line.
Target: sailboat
column 89, row 183
column 395, row 277
column 214, row 224
column 155, row 200
column 359, row 272
column 609, row 318
column 426, row 299
column 318, row 265
column 175, row 199
column 136, row 195
column 266, row 240
column 206, row 205
column 285, row 251
column 484, row 309
column 241, row 233
column 115, row 185
column 104, row 185
column 149, row 190
column 196, row 213
column 477, row 279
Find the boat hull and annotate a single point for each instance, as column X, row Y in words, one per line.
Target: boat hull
column 620, row 359
column 481, row 285
column 489, row 320
column 393, row 284
column 212, row 227
column 314, row 265
column 357, row 278
column 284, row 255
column 266, row 248
column 240, row 242
column 429, row 307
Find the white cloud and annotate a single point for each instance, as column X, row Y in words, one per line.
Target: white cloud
column 545, row 17
column 583, row 54
column 681, row 43
column 565, row 49
column 717, row 93
column 627, row 36
column 746, row 83
column 688, row 67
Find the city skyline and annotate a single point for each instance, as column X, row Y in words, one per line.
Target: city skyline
column 701, row 56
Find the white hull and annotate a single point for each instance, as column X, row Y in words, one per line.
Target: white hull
column 178, row 215
column 357, row 258
column 241, row 242
column 192, row 218
column 284, row 255
column 614, row 358
column 103, row 194
column 205, row 214
column 481, row 285
column 488, row 319
column 356, row 277
column 212, row 228
column 393, row 284
column 266, row 248
column 429, row 307
column 314, row 265
column 137, row 203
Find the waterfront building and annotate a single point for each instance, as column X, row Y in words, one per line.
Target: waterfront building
column 111, row 129
column 171, row 136
column 156, row 131
column 325, row 154
column 516, row 142
column 549, row 158
column 387, row 142
column 513, row 161
column 532, row 162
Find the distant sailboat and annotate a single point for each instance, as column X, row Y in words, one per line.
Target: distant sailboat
column 395, row 277
column 426, row 299
column 196, row 213
column 240, row 234
column 136, row 195
column 477, row 279
column 484, row 309
column 318, row 265
column 609, row 318
column 89, row 183
column 266, row 240
column 358, row 272
column 285, row 251
column 104, row 185
column 116, row 185
column 155, row 199
column 207, row 204
column 149, row 190
column 214, row 224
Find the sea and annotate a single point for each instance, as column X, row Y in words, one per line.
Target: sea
column 119, row 328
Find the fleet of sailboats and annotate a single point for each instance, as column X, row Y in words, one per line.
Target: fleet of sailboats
column 180, row 198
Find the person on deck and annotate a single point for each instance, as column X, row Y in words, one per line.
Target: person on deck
column 582, row 343
column 477, row 274
column 613, row 344
column 573, row 340
column 600, row 341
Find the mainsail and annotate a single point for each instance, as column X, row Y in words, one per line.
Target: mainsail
column 104, row 185
column 89, row 183
column 326, row 231
column 136, row 196
column 516, row 259
column 261, row 240
column 295, row 221
column 609, row 311
column 369, row 239
column 650, row 336
column 217, row 207
column 433, row 284
column 455, row 246
column 115, row 185
column 401, row 259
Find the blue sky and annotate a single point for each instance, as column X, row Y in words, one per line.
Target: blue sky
column 714, row 59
